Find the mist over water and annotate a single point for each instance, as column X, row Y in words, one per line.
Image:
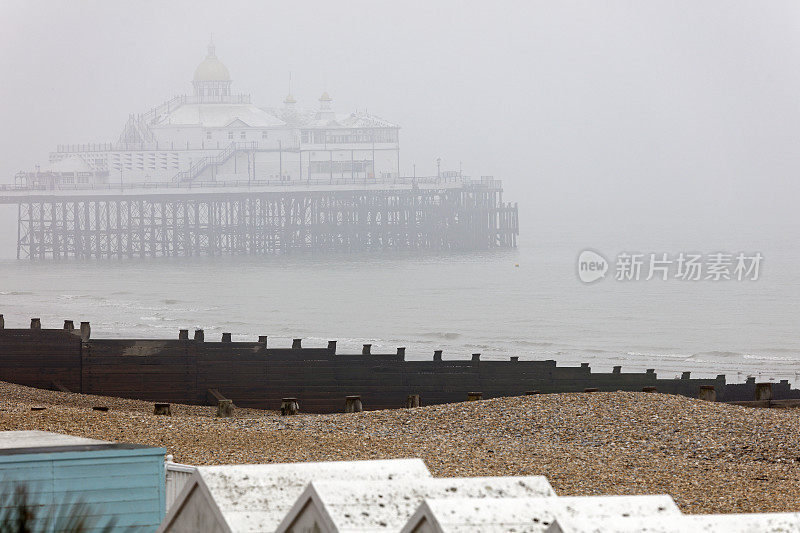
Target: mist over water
column 461, row 303
column 618, row 126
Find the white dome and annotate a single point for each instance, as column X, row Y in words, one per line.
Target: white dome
column 211, row 69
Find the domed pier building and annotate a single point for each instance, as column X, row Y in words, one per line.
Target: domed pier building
column 216, row 135
column 213, row 173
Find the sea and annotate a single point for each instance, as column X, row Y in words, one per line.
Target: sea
column 527, row 302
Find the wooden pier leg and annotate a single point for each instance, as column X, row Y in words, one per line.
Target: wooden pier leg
column 474, row 396
column 412, row 401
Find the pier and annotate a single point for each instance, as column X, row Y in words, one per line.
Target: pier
column 260, row 217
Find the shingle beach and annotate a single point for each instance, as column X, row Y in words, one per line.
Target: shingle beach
column 710, row 457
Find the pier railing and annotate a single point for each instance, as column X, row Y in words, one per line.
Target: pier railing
column 487, row 182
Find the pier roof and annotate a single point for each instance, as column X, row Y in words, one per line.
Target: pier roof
column 219, row 116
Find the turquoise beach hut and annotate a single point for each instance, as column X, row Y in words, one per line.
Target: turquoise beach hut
column 110, row 483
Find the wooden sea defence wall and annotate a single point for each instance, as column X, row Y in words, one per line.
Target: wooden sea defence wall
column 253, row 374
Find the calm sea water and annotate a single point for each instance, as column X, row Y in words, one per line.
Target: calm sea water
column 526, row 302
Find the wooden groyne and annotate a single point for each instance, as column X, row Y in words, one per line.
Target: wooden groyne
column 254, row 374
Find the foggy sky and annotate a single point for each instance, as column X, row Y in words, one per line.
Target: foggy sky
column 603, row 114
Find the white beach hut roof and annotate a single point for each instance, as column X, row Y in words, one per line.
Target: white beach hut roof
column 42, row 439
column 719, row 523
column 257, row 497
column 531, row 514
column 381, row 505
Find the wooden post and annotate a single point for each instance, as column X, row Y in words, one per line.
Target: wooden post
column 437, row 355
column 290, row 406
column 199, row 335
column 649, row 389
column 401, row 351
column 297, row 344
column 86, row 331
column 183, row 335
column 2, row 322
column 686, row 375
column 226, row 337
column 707, row 393
column 352, row 404
column 225, row 408
column 162, row 409
column 36, row 324
column 69, row 325
column 332, row 347
column 474, row 396
column 366, row 349
column 763, row 391
column 513, row 359
column 584, row 365
column 476, row 357
column 591, row 389
column 262, row 339
column 617, row 370
column 412, row 400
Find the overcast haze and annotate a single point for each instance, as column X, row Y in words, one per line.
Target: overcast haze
column 652, row 127
column 595, row 111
